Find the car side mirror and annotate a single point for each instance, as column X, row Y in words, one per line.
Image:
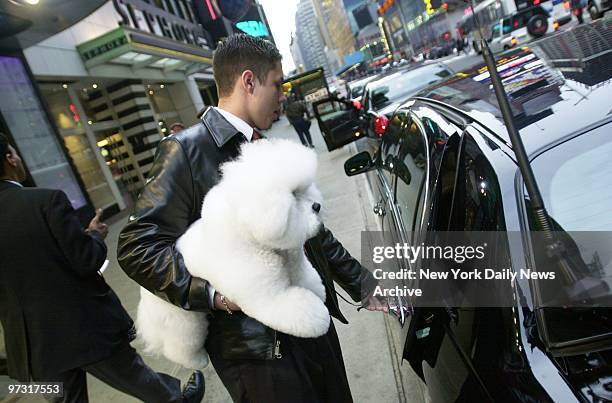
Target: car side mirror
column 358, row 164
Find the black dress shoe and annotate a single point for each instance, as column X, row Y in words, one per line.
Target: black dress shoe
column 193, row 392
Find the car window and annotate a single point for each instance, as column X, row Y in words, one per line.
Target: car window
column 507, row 25
column 365, row 98
column 390, row 144
column 331, row 110
column 478, row 200
column 411, row 171
column 495, row 31
column 575, row 180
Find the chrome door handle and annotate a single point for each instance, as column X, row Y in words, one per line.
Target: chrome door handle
column 379, row 209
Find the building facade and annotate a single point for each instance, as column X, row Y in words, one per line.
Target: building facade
column 338, row 35
column 296, row 54
column 415, row 26
column 88, row 100
column 309, row 37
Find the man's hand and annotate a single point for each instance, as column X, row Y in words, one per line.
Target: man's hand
column 373, row 303
column 220, row 306
column 97, row 225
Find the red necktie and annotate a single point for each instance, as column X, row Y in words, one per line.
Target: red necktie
column 256, row 135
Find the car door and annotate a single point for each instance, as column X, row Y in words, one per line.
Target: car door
column 463, row 347
column 338, row 121
column 423, row 195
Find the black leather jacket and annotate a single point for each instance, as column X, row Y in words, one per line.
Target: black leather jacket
column 186, row 167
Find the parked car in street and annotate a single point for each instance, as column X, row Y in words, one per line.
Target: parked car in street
column 346, row 120
column 446, row 163
column 356, row 87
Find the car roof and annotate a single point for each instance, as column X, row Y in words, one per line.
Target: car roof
column 362, row 81
column 557, row 86
column 391, row 75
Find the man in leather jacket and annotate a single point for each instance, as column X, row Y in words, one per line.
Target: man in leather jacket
column 255, row 362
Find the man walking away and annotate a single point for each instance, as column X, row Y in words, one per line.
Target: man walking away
column 60, row 318
column 295, row 114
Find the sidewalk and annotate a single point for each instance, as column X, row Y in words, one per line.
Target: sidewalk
column 364, row 341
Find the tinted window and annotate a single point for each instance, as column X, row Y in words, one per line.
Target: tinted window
column 495, row 31
column 390, row 144
column 478, row 205
column 411, row 171
column 575, row 179
column 357, row 91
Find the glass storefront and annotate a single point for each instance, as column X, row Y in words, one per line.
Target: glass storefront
column 34, row 136
column 165, row 111
column 208, row 91
column 72, row 128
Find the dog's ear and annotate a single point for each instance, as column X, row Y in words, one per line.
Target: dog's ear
column 268, row 218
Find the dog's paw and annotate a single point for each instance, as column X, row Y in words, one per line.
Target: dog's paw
column 190, row 359
column 295, row 311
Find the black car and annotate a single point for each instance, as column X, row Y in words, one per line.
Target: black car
column 446, row 163
column 342, row 121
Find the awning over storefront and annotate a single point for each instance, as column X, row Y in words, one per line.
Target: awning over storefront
column 347, row 69
column 139, row 50
column 26, row 23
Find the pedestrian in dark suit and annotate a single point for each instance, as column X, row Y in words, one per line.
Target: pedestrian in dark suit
column 295, row 112
column 60, row 318
column 255, row 363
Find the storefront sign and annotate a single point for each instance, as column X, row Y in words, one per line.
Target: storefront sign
column 253, row 28
column 113, row 41
column 143, row 16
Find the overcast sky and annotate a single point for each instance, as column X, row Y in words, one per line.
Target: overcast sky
column 281, row 17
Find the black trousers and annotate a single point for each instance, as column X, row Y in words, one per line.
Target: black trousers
column 310, row 371
column 124, row 371
column 301, row 128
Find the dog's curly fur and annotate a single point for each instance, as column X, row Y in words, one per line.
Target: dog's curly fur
column 249, row 246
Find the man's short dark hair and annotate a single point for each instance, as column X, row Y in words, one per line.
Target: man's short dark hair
column 240, row 52
column 4, row 149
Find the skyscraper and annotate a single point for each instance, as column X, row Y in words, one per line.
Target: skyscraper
column 334, row 25
column 310, row 40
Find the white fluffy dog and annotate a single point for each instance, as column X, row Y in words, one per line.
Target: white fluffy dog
column 249, row 246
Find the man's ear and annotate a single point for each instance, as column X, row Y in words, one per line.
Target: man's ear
column 247, row 80
column 10, row 158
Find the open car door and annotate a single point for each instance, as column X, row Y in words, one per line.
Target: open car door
column 339, row 122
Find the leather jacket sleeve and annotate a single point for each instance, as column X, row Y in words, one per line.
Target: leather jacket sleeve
column 146, row 249
column 345, row 270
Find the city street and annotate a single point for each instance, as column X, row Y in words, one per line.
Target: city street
column 109, row 103
column 346, row 211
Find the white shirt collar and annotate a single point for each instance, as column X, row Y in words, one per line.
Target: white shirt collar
column 240, row 125
column 13, row 182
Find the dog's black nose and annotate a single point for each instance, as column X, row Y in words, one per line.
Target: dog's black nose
column 316, row 207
